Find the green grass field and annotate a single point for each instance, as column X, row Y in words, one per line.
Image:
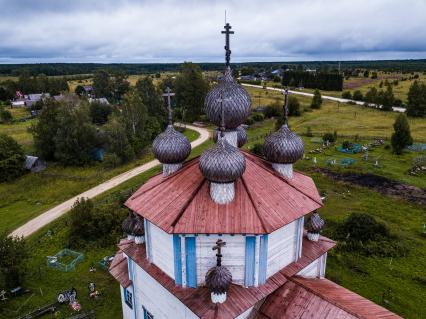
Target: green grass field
column 34, row 193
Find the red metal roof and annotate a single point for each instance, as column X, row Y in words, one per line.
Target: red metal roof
column 302, row 298
column 264, row 201
column 118, row 269
column 239, row 299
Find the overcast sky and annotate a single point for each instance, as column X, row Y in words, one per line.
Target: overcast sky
column 176, row 31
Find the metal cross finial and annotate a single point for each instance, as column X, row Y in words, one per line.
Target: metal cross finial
column 169, row 105
column 285, row 106
column 227, row 32
column 219, row 244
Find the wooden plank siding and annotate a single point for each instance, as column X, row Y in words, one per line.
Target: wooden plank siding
column 264, row 201
column 239, row 299
column 162, row 251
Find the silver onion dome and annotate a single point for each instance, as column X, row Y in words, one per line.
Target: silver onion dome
column 171, row 147
column 315, row 223
column 128, row 224
column 237, row 104
column 218, row 279
column 138, row 228
column 223, row 163
column 241, row 135
column 283, row 146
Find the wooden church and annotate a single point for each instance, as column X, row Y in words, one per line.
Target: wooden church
column 229, row 234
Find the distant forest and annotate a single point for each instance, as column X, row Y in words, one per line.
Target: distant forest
column 145, row 68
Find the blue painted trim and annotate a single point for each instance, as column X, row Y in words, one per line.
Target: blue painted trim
column 190, row 262
column 263, row 258
column 147, row 229
column 177, row 249
column 250, row 261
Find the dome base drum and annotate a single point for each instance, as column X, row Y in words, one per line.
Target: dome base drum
column 222, row 193
column 285, row 170
column 313, row 236
column 139, row 240
column 232, row 138
column 130, row 237
column 218, row 298
column 169, row 169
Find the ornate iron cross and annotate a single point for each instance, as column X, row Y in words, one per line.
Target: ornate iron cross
column 219, row 244
column 169, row 105
column 227, row 32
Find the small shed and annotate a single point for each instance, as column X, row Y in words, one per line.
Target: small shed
column 34, row 163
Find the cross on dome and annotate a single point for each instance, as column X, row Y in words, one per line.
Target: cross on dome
column 219, row 244
column 227, row 32
column 285, row 92
column 169, row 94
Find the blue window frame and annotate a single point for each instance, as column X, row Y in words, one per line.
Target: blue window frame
column 263, row 258
column 191, row 262
column 177, row 250
column 128, row 298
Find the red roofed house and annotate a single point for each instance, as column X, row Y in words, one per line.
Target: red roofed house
column 222, row 235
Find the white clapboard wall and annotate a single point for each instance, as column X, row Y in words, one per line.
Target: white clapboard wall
column 315, row 269
column 281, row 248
column 162, row 250
column 127, row 311
column 157, row 299
column 233, row 256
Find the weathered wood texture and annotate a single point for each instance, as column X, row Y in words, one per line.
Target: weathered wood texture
column 239, row 299
column 264, row 201
column 118, row 269
column 281, row 248
column 302, row 298
column 162, row 250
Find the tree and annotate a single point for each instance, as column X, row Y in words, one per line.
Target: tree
column 357, row 95
column 366, row 73
column 45, row 130
column 117, row 140
column 347, row 95
column 191, row 90
column 416, row 105
column 12, row 159
column 371, row 95
column 386, row 98
column 119, row 85
column 99, row 112
column 13, row 252
column 102, row 85
column 401, row 136
column 316, row 100
column 76, row 138
column 153, row 99
column 5, row 116
column 79, row 90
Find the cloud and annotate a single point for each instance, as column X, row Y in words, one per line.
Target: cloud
column 174, row 31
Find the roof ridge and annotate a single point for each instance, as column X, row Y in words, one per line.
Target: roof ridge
column 262, row 222
column 273, row 172
column 188, row 164
column 188, row 202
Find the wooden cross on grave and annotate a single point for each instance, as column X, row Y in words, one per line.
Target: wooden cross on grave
column 219, row 244
column 169, row 94
column 227, row 32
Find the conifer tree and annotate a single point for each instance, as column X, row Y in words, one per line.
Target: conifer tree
column 401, row 136
column 316, row 100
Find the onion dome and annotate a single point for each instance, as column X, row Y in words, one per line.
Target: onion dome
column 314, row 226
column 315, row 223
column 223, row 163
column 128, row 225
column 283, row 146
column 237, row 104
column 138, row 228
column 218, row 280
column 171, row 147
column 241, row 135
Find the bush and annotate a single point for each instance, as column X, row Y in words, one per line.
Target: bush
column 12, row 159
column 331, row 137
column 249, row 121
column 273, row 110
column 357, row 96
column 100, row 225
column 13, row 252
column 361, row 227
column 294, row 106
column 257, row 149
column 257, row 117
column 347, row 95
column 309, row 132
column 316, row 100
column 5, row 116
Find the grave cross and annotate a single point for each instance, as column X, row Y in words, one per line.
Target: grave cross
column 169, row 105
column 219, row 244
column 227, row 32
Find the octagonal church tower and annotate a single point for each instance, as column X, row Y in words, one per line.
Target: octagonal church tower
column 223, row 234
